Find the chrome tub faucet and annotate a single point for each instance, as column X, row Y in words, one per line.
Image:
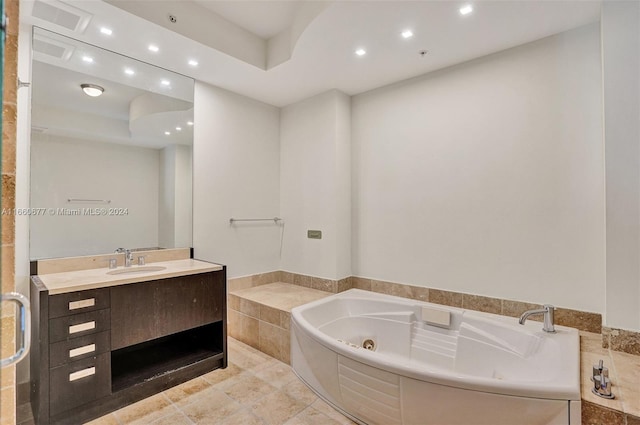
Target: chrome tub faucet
column 547, row 310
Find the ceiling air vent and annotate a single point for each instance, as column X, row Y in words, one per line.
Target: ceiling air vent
column 50, row 47
column 61, row 14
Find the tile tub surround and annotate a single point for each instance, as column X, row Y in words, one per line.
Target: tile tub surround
column 584, row 321
column 621, row 340
column 624, row 372
column 260, row 316
column 255, row 389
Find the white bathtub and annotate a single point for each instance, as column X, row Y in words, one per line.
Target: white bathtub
column 480, row 369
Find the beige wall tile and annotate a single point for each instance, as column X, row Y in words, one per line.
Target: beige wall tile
column 345, row 284
column 7, row 336
column 592, row 414
column 7, row 406
column 452, row 299
column 516, row 308
column 381, row 286
column 10, row 80
column 590, row 322
column 265, row 278
column 7, row 265
column 7, row 376
column 286, row 277
column 239, row 283
column 326, row 285
column 285, row 319
column 621, row 340
column 419, row 293
column 480, row 303
column 249, row 308
column 270, row 339
column 233, row 302
column 270, row 315
column 302, row 280
column 12, row 12
column 9, row 142
column 633, row 420
column 361, row 283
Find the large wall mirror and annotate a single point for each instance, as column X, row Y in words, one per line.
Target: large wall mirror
column 112, row 170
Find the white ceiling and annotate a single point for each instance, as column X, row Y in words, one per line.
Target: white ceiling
column 264, row 18
column 323, row 55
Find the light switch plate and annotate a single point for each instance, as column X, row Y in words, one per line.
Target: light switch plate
column 314, row 234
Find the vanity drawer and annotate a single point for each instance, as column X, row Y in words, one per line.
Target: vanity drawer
column 78, row 302
column 75, row 349
column 79, row 382
column 65, row 328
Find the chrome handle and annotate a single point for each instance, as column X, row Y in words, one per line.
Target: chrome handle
column 25, row 327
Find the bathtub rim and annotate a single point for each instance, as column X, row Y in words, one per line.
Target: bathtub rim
column 531, row 389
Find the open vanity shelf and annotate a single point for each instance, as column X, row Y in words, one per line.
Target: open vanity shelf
column 96, row 350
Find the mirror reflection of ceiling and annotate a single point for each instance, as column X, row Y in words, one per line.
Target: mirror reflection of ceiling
column 282, row 52
column 137, row 108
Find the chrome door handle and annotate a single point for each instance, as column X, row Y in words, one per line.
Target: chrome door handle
column 25, row 327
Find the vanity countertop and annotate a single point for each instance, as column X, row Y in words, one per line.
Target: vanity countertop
column 80, row 280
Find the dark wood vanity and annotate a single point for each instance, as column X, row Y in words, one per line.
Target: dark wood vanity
column 96, row 350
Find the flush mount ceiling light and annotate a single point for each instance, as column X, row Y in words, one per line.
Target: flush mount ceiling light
column 361, row 52
column 165, row 82
column 466, row 9
column 87, row 59
column 129, row 71
column 189, row 122
column 167, row 133
column 153, row 48
column 92, row 90
column 407, row 34
column 106, row 31
column 178, row 128
column 193, row 62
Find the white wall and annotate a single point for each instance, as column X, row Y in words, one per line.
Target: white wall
column 621, row 87
column 315, row 188
column 487, row 177
column 167, row 197
column 184, row 196
column 64, row 168
column 236, row 174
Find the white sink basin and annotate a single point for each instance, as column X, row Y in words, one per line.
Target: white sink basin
column 137, row 269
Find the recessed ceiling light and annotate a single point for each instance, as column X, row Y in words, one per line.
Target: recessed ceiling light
column 129, row 71
column 193, row 62
column 165, row 82
column 361, row 52
column 465, row 10
column 91, row 90
column 87, row 59
column 167, row 133
column 407, row 34
column 153, row 48
column 178, row 128
column 189, row 122
column 106, row 31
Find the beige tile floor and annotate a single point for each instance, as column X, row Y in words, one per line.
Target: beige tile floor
column 255, row 389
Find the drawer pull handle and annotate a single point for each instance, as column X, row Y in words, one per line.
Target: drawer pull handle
column 82, row 374
column 82, row 327
column 82, row 350
column 89, row 302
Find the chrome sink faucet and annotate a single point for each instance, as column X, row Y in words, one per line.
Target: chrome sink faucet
column 128, row 256
column 547, row 311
